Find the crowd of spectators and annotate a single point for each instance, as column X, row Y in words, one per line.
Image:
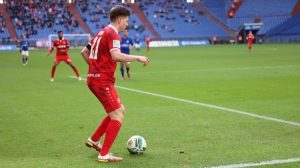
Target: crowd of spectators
column 2, row 23
column 95, row 11
column 33, row 15
column 3, row 30
column 170, row 10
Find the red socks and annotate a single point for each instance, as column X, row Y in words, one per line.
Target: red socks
column 111, row 134
column 53, row 71
column 76, row 71
column 101, row 129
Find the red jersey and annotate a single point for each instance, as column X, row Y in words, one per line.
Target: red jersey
column 101, row 65
column 148, row 40
column 250, row 38
column 62, row 44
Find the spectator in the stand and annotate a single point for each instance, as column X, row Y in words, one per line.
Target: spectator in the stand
column 61, row 21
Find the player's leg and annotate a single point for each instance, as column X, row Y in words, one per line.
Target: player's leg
column 138, row 48
column 23, row 58
column 122, row 70
column 110, row 100
column 69, row 62
column 94, row 140
column 56, row 62
column 26, row 57
column 26, row 60
column 249, row 48
column 127, row 69
column 111, row 133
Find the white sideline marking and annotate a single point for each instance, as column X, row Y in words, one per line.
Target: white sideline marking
column 273, row 48
column 208, row 105
column 211, row 106
column 271, row 162
column 219, row 69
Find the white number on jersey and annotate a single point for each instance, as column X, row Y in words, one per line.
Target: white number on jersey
column 94, row 52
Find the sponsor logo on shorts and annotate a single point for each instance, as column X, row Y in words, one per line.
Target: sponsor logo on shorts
column 94, row 75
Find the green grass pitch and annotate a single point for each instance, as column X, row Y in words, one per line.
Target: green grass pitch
column 45, row 124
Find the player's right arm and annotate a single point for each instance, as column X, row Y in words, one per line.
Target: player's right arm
column 85, row 52
column 52, row 48
column 120, row 57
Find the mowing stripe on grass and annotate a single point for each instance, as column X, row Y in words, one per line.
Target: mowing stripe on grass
column 208, row 105
column 218, row 69
column 271, row 162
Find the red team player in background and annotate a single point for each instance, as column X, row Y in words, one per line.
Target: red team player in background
column 101, row 54
column 250, row 37
column 148, row 43
column 62, row 46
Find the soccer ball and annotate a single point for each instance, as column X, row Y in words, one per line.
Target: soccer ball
column 136, row 144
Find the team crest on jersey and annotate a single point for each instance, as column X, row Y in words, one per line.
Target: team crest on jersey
column 116, row 43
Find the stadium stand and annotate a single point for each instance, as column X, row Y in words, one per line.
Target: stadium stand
column 218, row 8
column 4, row 35
column 179, row 20
column 96, row 16
column 40, row 18
column 272, row 12
column 170, row 19
column 290, row 26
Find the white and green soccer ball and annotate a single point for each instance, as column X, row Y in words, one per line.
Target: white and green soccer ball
column 136, row 144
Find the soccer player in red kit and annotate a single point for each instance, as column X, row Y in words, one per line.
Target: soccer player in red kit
column 102, row 55
column 62, row 47
column 250, row 37
column 148, row 43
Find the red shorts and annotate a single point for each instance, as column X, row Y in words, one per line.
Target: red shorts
column 250, row 42
column 66, row 59
column 108, row 96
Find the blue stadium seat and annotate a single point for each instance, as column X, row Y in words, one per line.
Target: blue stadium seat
column 184, row 27
column 103, row 18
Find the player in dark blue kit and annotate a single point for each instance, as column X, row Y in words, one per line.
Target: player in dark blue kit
column 126, row 46
column 24, row 47
column 137, row 44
